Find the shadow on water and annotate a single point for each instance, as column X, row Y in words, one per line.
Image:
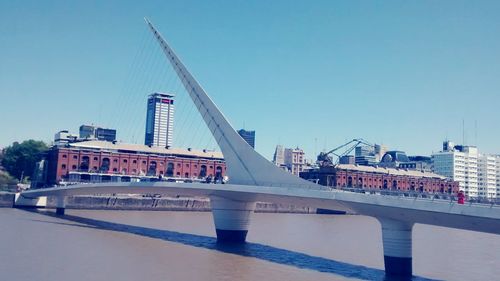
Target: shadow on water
column 249, row 249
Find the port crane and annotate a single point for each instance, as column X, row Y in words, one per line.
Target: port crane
column 325, row 159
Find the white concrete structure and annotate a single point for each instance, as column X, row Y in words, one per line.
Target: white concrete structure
column 459, row 163
column 160, row 120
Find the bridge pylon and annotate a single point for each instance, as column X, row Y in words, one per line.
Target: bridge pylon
column 397, row 243
column 231, row 218
column 244, row 165
column 60, row 205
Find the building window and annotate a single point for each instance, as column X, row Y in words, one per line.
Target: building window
column 115, row 170
column 152, row 168
column 65, row 156
column 73, row 167
column 104, row 165
column 75, row 157
column 144, row 162
column 84, row 165
column 134, row 161
column 170, row 169
column 95, row 158
column 63, row 166
column 125, row 160
column 203, row 171
column 115, row 160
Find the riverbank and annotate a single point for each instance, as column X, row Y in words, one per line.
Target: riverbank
column 197, row 204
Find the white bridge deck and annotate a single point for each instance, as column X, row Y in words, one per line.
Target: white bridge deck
column 476, row 217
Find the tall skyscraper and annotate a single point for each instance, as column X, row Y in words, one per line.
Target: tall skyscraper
column 248, row 136
column 160, row 120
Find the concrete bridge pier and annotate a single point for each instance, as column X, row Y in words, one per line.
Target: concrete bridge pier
column 397, row 241
column 60, row 205
column 231, row 218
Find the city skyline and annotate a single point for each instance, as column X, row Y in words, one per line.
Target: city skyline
column 348, row 68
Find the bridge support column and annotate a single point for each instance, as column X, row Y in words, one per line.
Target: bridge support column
column 231, row 218
column 396, row 238
column 60, row 205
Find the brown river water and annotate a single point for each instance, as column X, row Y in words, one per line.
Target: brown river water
column 158, row 245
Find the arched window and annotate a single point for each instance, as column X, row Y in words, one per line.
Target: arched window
column 203, row 171
column 394, row 184
column 104, row 165
column 170, row 169
column 360, row 182
column 84, row 165
column 385, row 184
column 152, row 168
column 218, row 172
column 349, row 182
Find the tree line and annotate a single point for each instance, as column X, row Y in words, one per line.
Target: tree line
column 17, row 162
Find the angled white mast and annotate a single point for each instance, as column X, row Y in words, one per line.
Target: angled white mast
column 244, row 164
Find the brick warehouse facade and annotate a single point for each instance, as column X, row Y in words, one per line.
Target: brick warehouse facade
column 90, row 158
column 366, row 177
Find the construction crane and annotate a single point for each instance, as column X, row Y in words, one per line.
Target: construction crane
column 325, row 159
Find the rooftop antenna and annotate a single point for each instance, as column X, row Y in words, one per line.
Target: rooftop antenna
column 463, row 131
column 475, row 132
column 315, row 146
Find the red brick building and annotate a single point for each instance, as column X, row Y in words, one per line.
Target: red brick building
column 96, row 161
column 369, row 177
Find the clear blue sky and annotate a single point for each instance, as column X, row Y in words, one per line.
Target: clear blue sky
column 402, row 73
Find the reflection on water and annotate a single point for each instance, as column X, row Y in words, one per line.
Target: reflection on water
column 254, row 250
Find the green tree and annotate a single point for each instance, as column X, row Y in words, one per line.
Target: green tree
column 7, row 182
column 20, row 158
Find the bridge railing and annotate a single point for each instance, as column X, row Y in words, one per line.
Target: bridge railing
column 423, row 195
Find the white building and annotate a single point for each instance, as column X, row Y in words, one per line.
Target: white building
column 487, row 176
column 160, row 120
column 459, row 163
column 497, row 168
column 279, row 156
column 294, row 160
